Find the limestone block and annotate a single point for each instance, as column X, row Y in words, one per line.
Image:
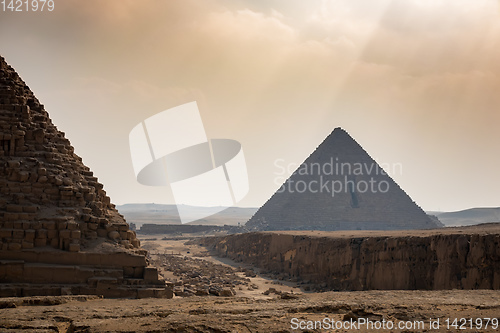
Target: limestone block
column 28, row 245
column 123, row 235
column 14, row 177
column 76, row 234
column 33, row 178
column 24, row 176
column 26, row 216
column 83, row 226
column 102, row 232
column 14, row 208
column 12, row 163
column 91, row 234
column 11, row 216
column 86, row 210
column 41, row 233
column 51, row 190
column 72, row 225
column 92, row 226
column 15, row 246
column 29, row 235
column 90, row 196
column 123, row 227
column 30, row 209
column 62, row 225
column 139, row 272
column 111, row 227
column 18, row 234
column 26, row 189
column 5, row 233
column 150, row 274
column 128, row 271
column 145, row 293
column 39, row 242
column 64, row 234
column 64, row 243
column 52, row 234
column 74, row 247
column 39, row 135
column 54, row 242
column 49, row 225
column 58, row 181
column 18, row 225
column 114, row 235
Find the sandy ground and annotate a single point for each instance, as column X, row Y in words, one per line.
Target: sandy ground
column 289, row 309
column 242, row 314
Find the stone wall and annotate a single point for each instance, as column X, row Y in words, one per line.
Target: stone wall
column 151, row 229
column 458, row 260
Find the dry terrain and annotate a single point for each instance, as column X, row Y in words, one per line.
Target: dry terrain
column 242, row 300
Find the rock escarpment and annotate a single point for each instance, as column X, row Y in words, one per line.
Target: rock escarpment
column 57, row 225
column 452, row 259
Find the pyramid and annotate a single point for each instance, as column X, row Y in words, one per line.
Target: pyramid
column 54, row 214
column 340, row 187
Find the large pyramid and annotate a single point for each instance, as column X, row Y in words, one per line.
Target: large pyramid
column 340, row 187
column 57, row 225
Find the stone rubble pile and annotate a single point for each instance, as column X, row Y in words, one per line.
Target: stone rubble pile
column 201, row 277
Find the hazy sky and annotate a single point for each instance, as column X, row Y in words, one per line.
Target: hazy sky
column 415, row 82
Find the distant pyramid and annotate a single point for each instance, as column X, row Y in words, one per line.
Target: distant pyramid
column 340, row 187
column 54, row 212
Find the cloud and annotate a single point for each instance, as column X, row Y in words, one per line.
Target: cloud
column 420, row 70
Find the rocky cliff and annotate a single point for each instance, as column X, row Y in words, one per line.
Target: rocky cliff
column 456, row 258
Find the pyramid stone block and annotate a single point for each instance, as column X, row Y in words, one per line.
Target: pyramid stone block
column 53, row 210
column 42, row 180
column 340, row 187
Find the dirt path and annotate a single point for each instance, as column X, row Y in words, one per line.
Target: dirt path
column 185, row 257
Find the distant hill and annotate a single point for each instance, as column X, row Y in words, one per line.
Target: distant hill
column 467, row 217
column 167, row 214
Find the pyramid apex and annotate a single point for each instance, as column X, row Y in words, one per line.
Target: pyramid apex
column 339, row 130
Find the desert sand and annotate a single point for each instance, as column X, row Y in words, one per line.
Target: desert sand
column 268, row 306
